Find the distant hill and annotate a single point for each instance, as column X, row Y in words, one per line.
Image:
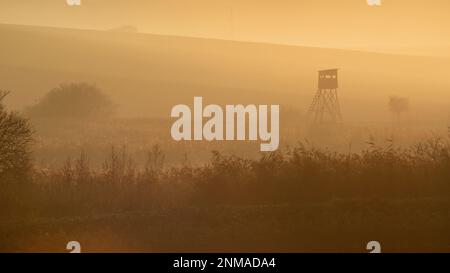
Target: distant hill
column 335, row 24
column 147, row 74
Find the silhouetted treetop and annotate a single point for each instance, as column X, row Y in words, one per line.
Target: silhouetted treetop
column 73, row 100
column 398, row 105
column 16, row 136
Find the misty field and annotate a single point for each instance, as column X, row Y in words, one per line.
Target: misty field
column 71, row 170
column 302, row 198
column 86, row 152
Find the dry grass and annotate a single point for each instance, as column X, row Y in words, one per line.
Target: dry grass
column 299, row 199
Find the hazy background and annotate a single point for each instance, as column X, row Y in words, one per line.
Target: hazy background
column 397, row 25
column 265, row 51
column 96, row 83
column 150, row 55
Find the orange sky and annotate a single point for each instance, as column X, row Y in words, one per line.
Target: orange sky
column 406, row 25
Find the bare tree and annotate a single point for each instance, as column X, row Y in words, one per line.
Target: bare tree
column 3, row 94
column 398, row 105
column 16, row 136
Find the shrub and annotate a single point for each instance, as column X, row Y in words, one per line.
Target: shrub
column 74, row 100
column 15, row 138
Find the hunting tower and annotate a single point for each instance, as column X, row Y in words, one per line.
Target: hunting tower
column 325, row 105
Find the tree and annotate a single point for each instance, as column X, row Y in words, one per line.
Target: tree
column 3, row 94
column 74, row 100
column 398, row 105
column 16, row 136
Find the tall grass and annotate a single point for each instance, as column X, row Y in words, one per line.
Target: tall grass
column 300, row 174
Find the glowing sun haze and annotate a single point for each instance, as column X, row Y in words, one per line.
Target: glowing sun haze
column 407, row 26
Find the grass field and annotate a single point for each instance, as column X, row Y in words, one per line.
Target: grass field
column 295, row 200
column 336, row 226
